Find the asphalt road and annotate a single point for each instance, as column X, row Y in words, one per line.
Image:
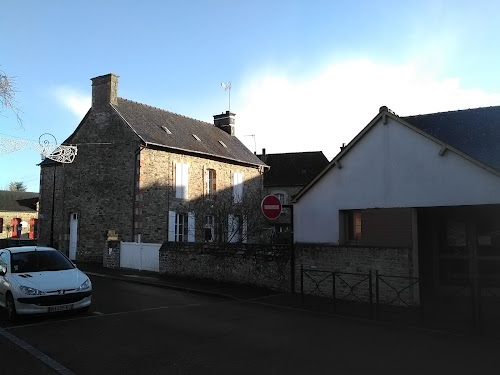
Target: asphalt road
column 139, row 329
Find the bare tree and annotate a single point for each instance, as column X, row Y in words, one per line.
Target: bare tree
column 8, row 93
column 17, row 186
column 219, row 219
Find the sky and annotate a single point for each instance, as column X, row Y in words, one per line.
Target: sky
column 305, row 75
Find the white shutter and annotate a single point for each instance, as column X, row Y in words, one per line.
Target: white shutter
column 185, row 180
column 237, row 187
column 207, row 187
column 191, row 229
column 171, row 225
column 240, row 186
column 233, row 228
column 244, row 230
column 230, row 228
column 178, row 180
column 181, row 180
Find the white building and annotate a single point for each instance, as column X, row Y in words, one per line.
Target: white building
column 430, row 183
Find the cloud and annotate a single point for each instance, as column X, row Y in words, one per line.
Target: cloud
column 322, row 111
column 77, row 102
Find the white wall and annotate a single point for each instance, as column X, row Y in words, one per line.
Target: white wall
column 391, row 166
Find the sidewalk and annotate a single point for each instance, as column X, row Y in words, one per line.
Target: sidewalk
column 191, row 285
column 219, row 289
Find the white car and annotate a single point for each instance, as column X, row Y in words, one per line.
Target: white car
column 37, row 280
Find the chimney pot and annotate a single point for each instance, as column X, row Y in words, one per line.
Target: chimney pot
column 225, row 121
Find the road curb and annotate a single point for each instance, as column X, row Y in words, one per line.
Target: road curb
column 161, row 285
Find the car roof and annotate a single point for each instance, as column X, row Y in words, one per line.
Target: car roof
column 25, row 249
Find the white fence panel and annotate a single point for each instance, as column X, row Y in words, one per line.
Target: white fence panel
column 140, row 256
column 150, row 257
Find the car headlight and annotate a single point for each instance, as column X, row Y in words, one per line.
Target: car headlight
column 84, row 286
column 31, row 291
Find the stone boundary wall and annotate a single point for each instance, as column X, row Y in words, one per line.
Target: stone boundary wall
column 394, row 262
column 268, row 266
column 265, row 266
column 111, row 255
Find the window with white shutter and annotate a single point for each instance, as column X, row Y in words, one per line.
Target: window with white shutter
column 181, row 228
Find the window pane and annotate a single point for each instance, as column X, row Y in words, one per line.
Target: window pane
column 281, row 197
column 210, row 182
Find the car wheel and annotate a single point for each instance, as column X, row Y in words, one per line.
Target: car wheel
column 10, row 306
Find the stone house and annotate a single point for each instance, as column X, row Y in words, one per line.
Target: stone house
column 18, row 214
column 146, row 174
column 428, row 185
column 287, row 175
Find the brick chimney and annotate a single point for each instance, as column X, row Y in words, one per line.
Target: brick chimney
column 104, row 91
column 263, row 157
column 225, row 121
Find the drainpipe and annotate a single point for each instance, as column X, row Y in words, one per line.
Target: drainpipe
column 53, row 206
column 135, row 186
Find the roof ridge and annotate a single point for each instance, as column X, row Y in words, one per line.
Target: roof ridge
column 164, row 110
column 454, row 111
column 294, row 152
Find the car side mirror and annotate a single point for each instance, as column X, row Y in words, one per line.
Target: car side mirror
column 2, row 272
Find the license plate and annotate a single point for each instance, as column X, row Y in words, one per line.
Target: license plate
column 60, row 308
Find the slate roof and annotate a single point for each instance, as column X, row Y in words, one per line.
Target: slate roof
column 18, row 201
column 148, row 123
column 293, row 169
column 475, row 132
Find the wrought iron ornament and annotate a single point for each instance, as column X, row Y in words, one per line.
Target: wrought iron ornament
column 12, row 145
column 47, row 146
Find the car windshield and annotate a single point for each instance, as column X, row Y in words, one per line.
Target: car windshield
column 35, row 261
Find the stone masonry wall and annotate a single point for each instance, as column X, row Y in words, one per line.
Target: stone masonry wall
column 157, row 187
column 98, row 186
column 394, row 265
column 269, row 266
column 265, row 266
column 111, row 255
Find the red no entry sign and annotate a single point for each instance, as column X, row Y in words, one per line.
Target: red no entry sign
column 271, row 207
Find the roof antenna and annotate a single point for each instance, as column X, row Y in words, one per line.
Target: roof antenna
column 227, row 87
column 254, row 143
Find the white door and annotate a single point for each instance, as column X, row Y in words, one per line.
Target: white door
column 73, row 235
